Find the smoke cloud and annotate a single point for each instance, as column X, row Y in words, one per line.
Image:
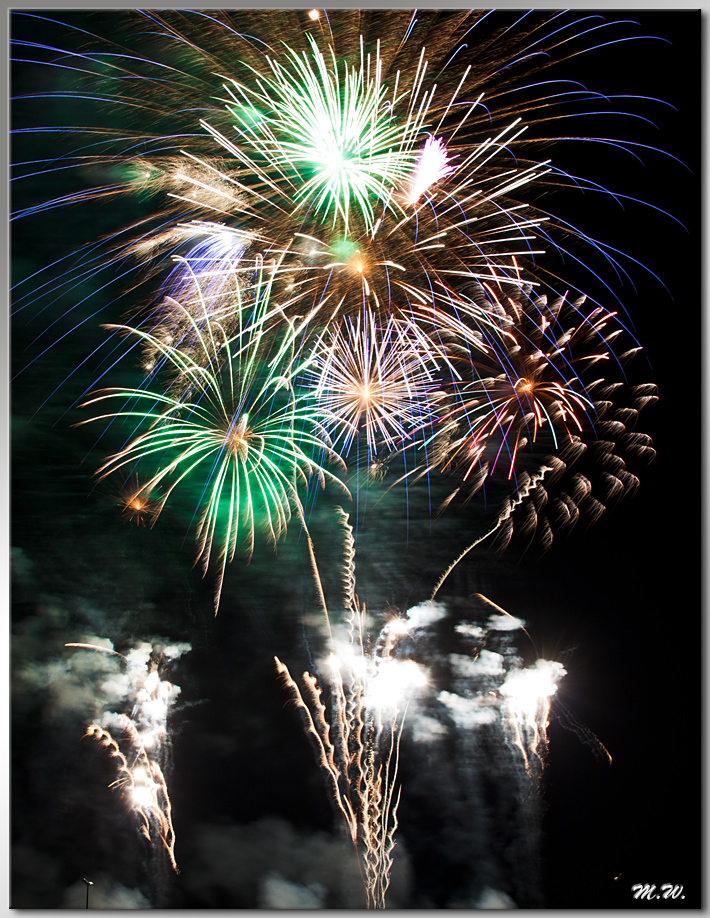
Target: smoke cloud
column 273, row 864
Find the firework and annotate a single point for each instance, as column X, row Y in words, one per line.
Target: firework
column 380, row 380
column 476, row 746
column 357, row 732
column 546, row 395
column 386, row 206
column 357, row 747
column 526, row 698
column 229, row 424
column 526, row 378
column 138, row 741
column 432, row 165
column 339, row 252
column 356, row 157
column 325, row 129
column 492, row 685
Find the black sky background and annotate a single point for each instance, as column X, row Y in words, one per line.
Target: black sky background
column 618, row 604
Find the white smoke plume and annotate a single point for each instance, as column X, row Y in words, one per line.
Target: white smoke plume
column 486, row 900
column 424, row 614
column 468, row 713
column 481, row 729
column 504, row 623
column 487, row 663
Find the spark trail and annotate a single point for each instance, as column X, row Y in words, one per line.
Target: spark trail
column 355, row 721
column 476, row 748
column 345, row 257
column 137, row 739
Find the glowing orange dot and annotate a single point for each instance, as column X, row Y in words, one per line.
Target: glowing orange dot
column 314, row 14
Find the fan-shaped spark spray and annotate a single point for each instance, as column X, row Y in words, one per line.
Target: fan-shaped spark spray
column 137, row 739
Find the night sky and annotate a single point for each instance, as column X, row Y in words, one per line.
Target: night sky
column 616, row 603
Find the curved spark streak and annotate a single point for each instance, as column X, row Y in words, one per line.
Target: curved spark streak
column 230, row 419
column 503, row 516
column 354, row 233
column 98, row 647
column 147, row 791
column 137, row 742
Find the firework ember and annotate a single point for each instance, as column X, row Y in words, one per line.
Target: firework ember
column 332, row 262
column 137, row 737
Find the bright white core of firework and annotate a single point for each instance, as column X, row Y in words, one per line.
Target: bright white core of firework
column 397, row 626
column 144, row 789
column 527, row 689
column 393, row 681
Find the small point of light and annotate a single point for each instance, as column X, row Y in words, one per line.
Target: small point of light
column 314, row 14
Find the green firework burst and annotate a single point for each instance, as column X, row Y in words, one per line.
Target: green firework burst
column 229, row 420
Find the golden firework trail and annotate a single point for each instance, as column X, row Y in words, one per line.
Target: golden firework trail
column 137, row 741
column 356, row 726
column 347, row 252
column 145, row 788
column 346, row 223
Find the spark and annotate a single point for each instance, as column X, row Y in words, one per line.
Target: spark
column 229, row 419
column 431, row 167
column 382, row 380
column 138, row 742
column 356, row 732
column 526, row 695
column 137, row 504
